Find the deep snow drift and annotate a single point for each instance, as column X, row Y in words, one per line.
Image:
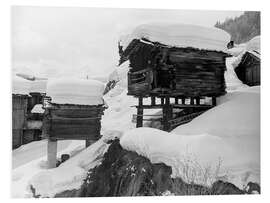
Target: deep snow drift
column 223, row 143
column 180, row 35
column 75, row 91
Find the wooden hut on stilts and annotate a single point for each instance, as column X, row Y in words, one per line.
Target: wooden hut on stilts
column 179, row 65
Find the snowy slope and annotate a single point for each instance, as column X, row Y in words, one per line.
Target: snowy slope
column 180, row 35
column 75, row 91
column 29, row 160
column 223, row 143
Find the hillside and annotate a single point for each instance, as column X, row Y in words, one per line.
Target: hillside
column 242, row 28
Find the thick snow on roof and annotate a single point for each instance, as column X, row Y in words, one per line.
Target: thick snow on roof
column 20, row 85
column 254, row 44
column 38, row 86
column 223, row 143
column 180, row 35
column 75, row 91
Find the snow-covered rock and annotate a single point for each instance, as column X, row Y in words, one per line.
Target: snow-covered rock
column 70, row 174
column 20, row 85
column 180, row 35
column 30, row 160
column 75, row 91
column 221, row 144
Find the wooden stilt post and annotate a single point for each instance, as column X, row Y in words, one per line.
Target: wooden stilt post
column 52, row 153
column 214, row 101
column 140, row 113
column 166, row 114
column 153, row 101
column 162, row 100
column 183, row 100
column 87, row 143
column 191, row 100
column 176, row 100
column 197, row 100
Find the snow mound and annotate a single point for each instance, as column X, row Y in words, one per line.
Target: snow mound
column 70, row 174
column 221, row 144
column 180, row 35
column 20, row 85
column 75, row 91
column 30, row 160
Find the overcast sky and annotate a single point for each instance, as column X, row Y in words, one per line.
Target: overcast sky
column 53, row 41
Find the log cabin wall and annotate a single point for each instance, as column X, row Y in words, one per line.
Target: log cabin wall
column 19, row 113
column 186, row 72
column 75, row 122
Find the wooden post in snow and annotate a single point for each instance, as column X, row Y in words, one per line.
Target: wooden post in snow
column 52, row 153
column 214, row 101
column 139, row 122
column 153, row 101
column 166, row 114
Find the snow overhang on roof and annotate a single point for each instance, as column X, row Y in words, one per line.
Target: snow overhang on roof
column 75, row 91
column 180, row 35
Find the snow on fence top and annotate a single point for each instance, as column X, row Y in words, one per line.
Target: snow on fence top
column 20, row 85
column 75, row 91
column 180, row 35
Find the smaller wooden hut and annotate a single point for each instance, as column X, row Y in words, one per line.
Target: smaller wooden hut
column 73, row 112
column 74, row 122
column 249, row 69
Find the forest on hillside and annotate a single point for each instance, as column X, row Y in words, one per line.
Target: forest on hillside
column 242, row 28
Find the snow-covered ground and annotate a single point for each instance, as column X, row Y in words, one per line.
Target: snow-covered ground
column 222, row 143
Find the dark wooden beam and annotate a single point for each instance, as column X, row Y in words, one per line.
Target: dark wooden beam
column 153, row 100
column 140, row 113
column 214, row 101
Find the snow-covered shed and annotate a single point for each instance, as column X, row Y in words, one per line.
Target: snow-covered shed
column 249, row 68
column 75, row 109
column 179, row 60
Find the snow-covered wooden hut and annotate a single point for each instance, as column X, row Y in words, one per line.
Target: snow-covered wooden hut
column 175, row 61
column 249, row 68
column 74, row 111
